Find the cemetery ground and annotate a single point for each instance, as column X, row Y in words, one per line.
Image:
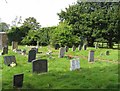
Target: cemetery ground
column 101, row 74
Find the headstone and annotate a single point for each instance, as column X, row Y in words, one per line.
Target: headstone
column 57, row 46
column 91, row 56
column 39, row 66
column 14, row 45
column 96, row 46
column 31, row 55
column 23, row 52
column 3, row 40
column 5, row 50
column 74, row 64
column 18, row 80
column 79, row 47
column 9, row 59
column 66, row 48
column 84, row 47
column 61, row 52
column 36, row 49
column 107, row 52
column 73, row 48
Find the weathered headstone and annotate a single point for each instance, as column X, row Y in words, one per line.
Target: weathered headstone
column 107, row 53
column 3, row 39
column 39, row 66
column 79, row 47
column 66, row 48
column 18, row 80
column 61, row 52
column 31, row 55
column 36, row 49
column 74, row 64
column 57, row 46
column 73, row 48
column 9, row 59
column 91, row 56
column 14, row 45
column 84, row 47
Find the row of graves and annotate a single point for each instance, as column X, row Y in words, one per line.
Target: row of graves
column 41, row 65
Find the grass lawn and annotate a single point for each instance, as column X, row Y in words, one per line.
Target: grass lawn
column 101, row 74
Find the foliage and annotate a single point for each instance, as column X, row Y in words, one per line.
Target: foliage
column 4, row 27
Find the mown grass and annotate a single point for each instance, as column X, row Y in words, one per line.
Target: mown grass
column 98, row 75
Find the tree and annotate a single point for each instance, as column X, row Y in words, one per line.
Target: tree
column 4, row 27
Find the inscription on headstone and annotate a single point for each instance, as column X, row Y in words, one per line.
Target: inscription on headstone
column 18, row 80
column 39, row 66
column 9, row 59
column 74, row 64
column 91, row 56
column 31, row 55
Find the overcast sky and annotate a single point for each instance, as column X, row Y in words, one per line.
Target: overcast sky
column 45, row 11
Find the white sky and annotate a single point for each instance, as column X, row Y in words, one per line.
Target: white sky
column 45, row 11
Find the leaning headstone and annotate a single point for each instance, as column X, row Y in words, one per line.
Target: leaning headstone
column 31, row 55
column 14, row 45
column 18, row 80
column 73, row 48
column 74, row 64
column 84, row 47
column 79, row 47
column 107, row 53
column 9, row 59
column 91, row 56
column 61, row 52
column 57, row 46
column 39, row 66
column 66, row 48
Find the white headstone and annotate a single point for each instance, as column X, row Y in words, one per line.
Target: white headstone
column 74, row 64
column 61, row 52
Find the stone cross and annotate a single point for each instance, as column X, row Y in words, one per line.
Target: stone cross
column 91, row 56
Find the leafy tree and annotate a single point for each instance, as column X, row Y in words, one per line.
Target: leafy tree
column 4, row 27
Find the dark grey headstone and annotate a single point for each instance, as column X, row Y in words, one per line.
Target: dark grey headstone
column 79, row 47
column 91, row 56
column 4, row 50
column 107, row 53
column 31, row 55
column 18, row 80
column 57, row 46
column 84, row 47
column 36, row 49
column 9, row 59
column 39, row 66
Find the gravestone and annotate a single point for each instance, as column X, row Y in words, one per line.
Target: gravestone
column 96, row 46
column 91, row 56
column 107, row 53
column 79, row 47
column 9, row 59
column 40, row 66
column 84, row 47
column 18, row 80
column 73, row 48
column 74, row 64
column 36, row 49
column 66, row 48
column 23, row 52
column 57, row 46
column 5, row 50
column 31, row 55
column 14, row 45
column 61, row 52
column 3, row 40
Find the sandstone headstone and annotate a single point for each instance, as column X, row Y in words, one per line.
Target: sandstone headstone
column 61, row 52
column 39, row 66
column 14, row 45
column 18, row 80
column 91, row 56
column 9, row 59
column 31, row 55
